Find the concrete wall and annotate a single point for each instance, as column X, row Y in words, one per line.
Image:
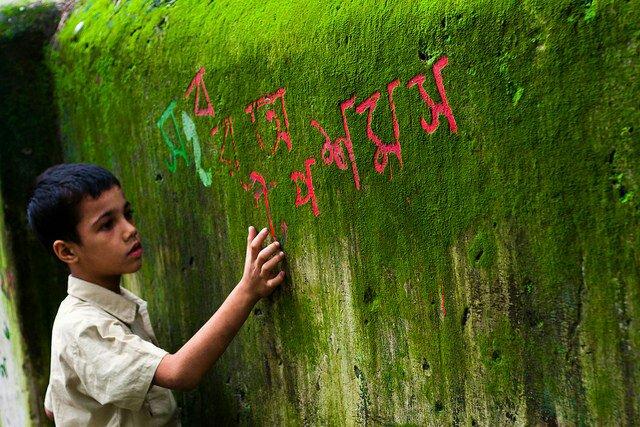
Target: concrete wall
column 455, row 184
column 29, row 144
column 15, row 393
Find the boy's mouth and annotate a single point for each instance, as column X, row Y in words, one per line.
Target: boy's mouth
column 136, row 251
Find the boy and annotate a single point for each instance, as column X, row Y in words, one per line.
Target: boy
column 106, row 366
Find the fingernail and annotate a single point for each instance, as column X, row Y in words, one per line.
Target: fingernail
column 281, row 254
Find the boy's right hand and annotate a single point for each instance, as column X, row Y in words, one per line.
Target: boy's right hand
column 261, row 275
column 184, row 369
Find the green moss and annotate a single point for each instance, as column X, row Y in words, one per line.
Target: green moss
column 482, row 250
column 590, row 13
column 19, row 18
column 522, row 217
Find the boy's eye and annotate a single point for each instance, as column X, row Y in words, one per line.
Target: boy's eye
column 107, row 225
column 129, row 214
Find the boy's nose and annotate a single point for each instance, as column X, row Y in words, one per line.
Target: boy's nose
column 130, row 231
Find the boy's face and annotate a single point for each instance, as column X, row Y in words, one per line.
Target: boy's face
column 109, row 241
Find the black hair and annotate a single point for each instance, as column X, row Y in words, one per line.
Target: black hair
column 52, row 211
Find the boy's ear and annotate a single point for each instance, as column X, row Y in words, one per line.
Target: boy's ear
column 65, row 251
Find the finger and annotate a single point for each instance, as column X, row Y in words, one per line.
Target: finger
column 276, row 280
column 272, row 263
column 257, row 242
column 250, row 236
column 266, row 253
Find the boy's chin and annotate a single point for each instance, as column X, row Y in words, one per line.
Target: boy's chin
column 134, row 267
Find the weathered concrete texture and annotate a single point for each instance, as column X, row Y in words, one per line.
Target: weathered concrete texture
column 28, row 131
column 17, row 403
column 491, row 278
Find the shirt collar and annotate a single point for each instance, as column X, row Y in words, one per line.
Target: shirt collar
column 111, row 302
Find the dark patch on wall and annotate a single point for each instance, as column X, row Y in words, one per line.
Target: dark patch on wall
column 30, row 144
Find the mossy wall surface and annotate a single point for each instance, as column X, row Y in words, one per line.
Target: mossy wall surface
column 485, row 271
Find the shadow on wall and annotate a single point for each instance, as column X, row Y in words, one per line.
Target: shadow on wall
column 30, row 143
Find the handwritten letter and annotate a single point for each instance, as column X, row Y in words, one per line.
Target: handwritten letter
column 190, row 132
column 280, row 120
column 381, row 155
column 262, row 192
column 198, row 84
column 436, row 109
column 332, row 151
column 232, row 162
column 308, row 181
column 175, row 150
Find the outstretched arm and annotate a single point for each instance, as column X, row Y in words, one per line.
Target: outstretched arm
column 184, row 369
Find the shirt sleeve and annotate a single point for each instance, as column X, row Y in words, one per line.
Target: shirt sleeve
column 114, row 365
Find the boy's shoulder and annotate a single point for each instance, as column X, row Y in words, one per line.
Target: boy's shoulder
column 92, row 314
column 75, row 315
column 90, row 306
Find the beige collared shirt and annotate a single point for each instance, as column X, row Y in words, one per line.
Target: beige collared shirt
column 104, row 355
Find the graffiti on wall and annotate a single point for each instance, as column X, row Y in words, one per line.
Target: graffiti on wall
column 269, row 112
column 271, row 107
